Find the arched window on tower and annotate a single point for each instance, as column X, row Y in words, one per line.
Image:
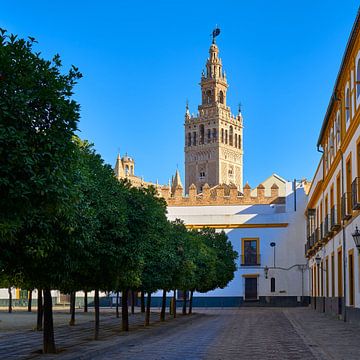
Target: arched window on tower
column 347, row 105
column 208, row 136
column 226, row 136
column 236, row 138
column 126, row 169
column 132, row 170
column 221, row 97
column 208, row 97
column 194, row 138
column 231, row 131
column 189, row 139
column 202, row 134
column 222, row 135
column 239, row 142
column 214, row 135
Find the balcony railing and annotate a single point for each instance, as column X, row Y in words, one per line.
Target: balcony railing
column 327, row 229
column 346, row 208
column 322, row 232
column 250, row 260
column 355, row 194
column 334, row 218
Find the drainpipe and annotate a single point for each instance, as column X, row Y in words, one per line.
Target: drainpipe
column 343, row 304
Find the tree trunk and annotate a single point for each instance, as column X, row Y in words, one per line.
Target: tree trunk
column 85, row 302
column 10, row 300
column 184, row 303
column 117, row 304
column 190, row 302
column 97, row 314
column 132, row 302
column 40, row 311
column 49, row 340
column 30, row 300
column 148, row 305
column 174, row 303
column 72, row 308
column 142, row 301
column 163, row 306
column 124, row 310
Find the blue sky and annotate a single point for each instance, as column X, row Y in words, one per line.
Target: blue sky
column 141, row 60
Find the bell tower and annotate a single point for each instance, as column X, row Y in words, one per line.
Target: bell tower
column 214, row 137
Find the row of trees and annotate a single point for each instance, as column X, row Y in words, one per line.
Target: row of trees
column 66, row 222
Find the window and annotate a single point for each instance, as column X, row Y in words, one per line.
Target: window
column 221, row 97
column 214, row 135
column 208, row 97
column 231, row 131
column 194, row 138
column 189, row 139
column 202, row 131
column 347, row 104
column 250, row 252
column 235, row 137
column 239, row 142
column 127, row 170
column 226, row 136
column 337, row 129
column 208, row 135
column 272, row 284
column 222, row 135
column 202, row 175
column 358, row 79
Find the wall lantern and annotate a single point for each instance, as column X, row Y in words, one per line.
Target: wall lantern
column 356, row 237
column 266, row 272
column 318, row 260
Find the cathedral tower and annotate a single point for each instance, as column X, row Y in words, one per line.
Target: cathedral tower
column 214, row 138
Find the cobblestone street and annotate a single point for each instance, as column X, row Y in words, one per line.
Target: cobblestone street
column 245, row 333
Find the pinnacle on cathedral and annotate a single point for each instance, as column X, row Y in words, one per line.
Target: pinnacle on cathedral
column 213, row 138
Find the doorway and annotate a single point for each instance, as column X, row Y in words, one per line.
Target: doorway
column 251, row 288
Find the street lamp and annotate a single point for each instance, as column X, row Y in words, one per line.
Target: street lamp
column 356, row 237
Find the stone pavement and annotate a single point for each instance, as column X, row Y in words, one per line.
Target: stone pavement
column 243, row 333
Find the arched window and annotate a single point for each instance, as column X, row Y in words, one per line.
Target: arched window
column 222, row 135
column 221, row 97
column 208, row 97
column 235, row 137
column 189, row 139
column 214, row 135
column 358, row 80
column 226, row 136
column 347, row 105
column 194, row 138
column 132, row 170
column 209, row 135
column 202, row 134
column 126, row 169
column 272, row 284
column 239, row 142
column 231, row 131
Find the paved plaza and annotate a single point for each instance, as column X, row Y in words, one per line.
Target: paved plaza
column 244, row 333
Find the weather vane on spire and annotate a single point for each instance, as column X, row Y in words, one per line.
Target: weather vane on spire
column 215, row 33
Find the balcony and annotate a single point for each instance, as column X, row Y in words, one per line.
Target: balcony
column 355, row 194
column 335, row 218
column 346, row 208
column 250, row 260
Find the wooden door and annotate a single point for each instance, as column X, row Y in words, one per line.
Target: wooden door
column 250, row 288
